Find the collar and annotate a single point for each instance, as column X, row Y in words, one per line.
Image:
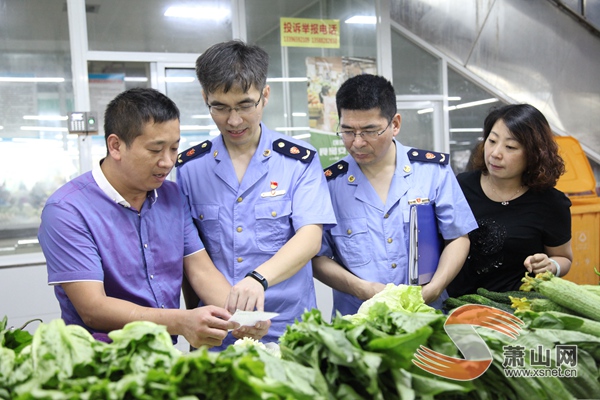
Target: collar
column 403, row 164
column 110, row 191
column 263, row 148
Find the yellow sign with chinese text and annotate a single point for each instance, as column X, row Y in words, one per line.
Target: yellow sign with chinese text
column 305, row 32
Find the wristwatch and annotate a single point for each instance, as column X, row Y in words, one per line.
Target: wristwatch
column 261, row 279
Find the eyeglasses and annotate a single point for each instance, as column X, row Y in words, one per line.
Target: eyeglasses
column 242, row 109
column 348, row 136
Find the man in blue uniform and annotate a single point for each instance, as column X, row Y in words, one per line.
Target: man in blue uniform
column 258, row 198
column 372, row 189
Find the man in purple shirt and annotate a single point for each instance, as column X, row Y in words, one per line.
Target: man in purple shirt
column 118, row 239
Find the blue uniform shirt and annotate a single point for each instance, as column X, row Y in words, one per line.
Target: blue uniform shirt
column 245, row 224
column 89, row 233
column 371, row 239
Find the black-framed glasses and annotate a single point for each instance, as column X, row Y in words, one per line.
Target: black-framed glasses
column 348, row 136
column 242, row 108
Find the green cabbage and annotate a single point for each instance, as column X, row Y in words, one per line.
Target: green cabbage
column 396, row 298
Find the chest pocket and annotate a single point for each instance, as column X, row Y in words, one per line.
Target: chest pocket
column 351, row 235
column 273, row 225
column 206, row 219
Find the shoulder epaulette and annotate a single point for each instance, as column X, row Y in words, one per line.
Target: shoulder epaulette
column 293, row 150
column 193, row 152
column 428, row 156
column 335, row 170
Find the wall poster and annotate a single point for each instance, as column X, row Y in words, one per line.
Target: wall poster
column 325, row 76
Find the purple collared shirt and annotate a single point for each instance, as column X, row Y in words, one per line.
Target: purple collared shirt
column 89, row 233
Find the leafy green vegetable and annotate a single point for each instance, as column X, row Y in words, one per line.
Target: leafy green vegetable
column 65, row 362
column 15, row 339
column 372, row 359
column 400, row 297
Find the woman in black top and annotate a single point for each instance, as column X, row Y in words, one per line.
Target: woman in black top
column 524, row 222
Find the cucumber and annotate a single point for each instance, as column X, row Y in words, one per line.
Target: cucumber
column 504, row 297
column 479, row 299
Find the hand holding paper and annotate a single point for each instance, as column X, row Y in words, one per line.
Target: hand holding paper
column 250, row 318
column 253, row 324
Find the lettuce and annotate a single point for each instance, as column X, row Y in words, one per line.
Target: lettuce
column 396, row 298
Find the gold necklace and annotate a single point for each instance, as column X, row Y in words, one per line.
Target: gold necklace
column 504, row 202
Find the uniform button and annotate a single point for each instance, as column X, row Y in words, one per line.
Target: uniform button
column 162, row 306
column 390, row 240
column 349, row 231
column 239, row 229
column 240, row 259
column 394, row 265
column 145, row 245
column 386, row 215
column 273, row 213
column 239, row 199
column 201, row 216
column 151, row 276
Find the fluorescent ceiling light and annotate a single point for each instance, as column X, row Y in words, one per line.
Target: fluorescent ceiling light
column 207, row 13
column 454, row 98
column 361, row 19
column 425, row 110
column 300, row 79
column 30, row 80
column 135, row 79
column 46, row 117
column 43, row 128
column 473, row 103
column 1, row 127
column 298, row 114
column 463, row 105
column 201, row 116
column 466, row 130
column 180, row 79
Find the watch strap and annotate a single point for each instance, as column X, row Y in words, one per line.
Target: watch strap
column 258, row 277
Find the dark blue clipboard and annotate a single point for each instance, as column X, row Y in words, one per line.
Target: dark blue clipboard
column 426, row 244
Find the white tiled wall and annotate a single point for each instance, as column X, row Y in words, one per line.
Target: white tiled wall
column 25, row 295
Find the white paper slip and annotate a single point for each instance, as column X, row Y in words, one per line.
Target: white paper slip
column 249, row 318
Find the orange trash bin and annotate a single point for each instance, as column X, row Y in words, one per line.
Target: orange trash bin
column 579, row 184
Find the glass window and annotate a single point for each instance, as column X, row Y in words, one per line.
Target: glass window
column 185, row 26
column 575, row 5
column 415, row 71
column 36, row 94
column 468, row 106
column 592, row 12
column 418, row 123
column 106, row 80
column 183, row 88
column 263, row 21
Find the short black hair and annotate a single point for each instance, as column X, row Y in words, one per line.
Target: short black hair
column 366, row 92
column 127, row 113
column 232, row 63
